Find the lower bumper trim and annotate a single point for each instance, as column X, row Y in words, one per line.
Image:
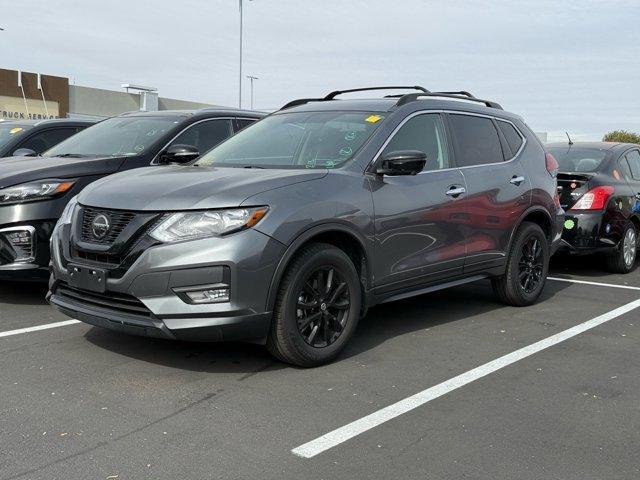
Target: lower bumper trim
column 245, row 327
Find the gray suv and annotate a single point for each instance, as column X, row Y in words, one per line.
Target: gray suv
column 289, row 231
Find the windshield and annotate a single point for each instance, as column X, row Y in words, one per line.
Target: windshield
column 578, row 159
column 116, row 136
column 297, row 140
column 9, row 132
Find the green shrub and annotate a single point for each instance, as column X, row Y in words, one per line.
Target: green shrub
column 621, row 136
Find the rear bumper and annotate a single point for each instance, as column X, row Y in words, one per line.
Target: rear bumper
column 589, row 232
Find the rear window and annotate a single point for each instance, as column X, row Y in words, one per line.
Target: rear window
column 578, row 159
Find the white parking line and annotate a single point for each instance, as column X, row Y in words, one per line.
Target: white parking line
column 37, row 328
column 353, row 429
column 597, row 284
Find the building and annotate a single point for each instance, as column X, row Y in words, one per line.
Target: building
column 25, row 95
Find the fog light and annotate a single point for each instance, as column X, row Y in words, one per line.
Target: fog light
column 210, row 295
column 22, row 239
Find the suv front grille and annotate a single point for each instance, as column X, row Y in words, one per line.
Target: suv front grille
column 119, row 220
column 107, row 259
column 115, row 302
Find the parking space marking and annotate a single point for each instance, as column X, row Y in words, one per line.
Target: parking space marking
column 37, row 328
column 357, row 427
column 597, row 284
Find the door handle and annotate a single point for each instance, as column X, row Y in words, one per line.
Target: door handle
column 516, row 180
column 455, row 191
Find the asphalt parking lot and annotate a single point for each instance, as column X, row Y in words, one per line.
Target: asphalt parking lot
column 78, row 402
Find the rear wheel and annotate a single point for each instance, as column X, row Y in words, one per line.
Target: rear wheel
column 317, row 307
column 624, row 260
column 527, row 267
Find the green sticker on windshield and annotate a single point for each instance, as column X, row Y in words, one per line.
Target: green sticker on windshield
column 330, row 164
column 311, row 163
column 345, row 151
column 350, row 136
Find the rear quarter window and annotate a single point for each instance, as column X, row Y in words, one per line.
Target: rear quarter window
column 477, row 140
column 513, row 137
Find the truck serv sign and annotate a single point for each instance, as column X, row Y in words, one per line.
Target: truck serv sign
column 12, row 108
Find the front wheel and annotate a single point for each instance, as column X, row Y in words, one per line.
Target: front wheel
column 527, row 267
column 317, row 308
column 624, row 260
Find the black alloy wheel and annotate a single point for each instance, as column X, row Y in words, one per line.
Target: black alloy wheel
column 322, row 310
column 531, row 265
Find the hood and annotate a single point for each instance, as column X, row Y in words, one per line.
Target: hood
column 15, row 170
column 174, row 188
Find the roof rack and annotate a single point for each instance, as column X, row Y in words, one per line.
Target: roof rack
column 334, row 94
column 402, row 99
column 461, row 95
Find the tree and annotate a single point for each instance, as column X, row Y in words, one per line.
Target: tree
column 621, row 136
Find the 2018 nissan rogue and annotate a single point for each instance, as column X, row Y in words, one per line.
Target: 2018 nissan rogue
column 35, row 190
column 289, row 231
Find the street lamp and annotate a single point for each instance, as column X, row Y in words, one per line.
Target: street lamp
column 252, row 78
column 240, row 72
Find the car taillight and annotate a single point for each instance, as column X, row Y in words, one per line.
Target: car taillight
column 552, row 164
column 594, row 199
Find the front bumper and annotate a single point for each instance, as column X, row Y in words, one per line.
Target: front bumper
column 143, row 299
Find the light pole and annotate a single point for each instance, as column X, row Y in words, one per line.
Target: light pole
column 252, row 78
column 240, row 70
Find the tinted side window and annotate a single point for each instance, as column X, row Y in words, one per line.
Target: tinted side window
column 425, row 133
column 634, row 164
column 477, row 140
column 624, row 168
column 205, row 135
column 511, row 135
column 244, row 123
column 42, row 141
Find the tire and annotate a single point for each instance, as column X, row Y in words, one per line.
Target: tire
column 303, row 296
column 511, row 288
column 624, row 260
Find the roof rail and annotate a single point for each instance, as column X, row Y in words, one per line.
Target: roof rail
column 334, row 94
column 462, row 95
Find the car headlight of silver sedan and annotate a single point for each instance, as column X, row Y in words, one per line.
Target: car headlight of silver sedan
column 208, row 223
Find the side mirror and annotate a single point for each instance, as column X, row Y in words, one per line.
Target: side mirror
column 179, row 154
column 24, row 152
column 402, row 162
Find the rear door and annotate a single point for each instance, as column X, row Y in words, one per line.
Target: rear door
column 418, row 233
column 497, row 188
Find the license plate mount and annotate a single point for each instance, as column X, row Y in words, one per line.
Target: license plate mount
column 87, row 278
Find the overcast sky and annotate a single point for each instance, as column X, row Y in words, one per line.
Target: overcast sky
column 562, row 65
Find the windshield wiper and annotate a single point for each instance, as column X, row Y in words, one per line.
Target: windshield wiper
column 253, row 166
column 71, row 155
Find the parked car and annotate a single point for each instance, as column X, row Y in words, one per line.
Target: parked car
column 33, row 137
column 599, row 185
column 290, row 230
column 35, row 190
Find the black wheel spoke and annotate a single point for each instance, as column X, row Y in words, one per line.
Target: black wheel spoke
column 336, row 293
column 305, row 321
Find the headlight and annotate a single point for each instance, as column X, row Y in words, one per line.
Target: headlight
column 67, row 213
column 39, row 190
column 192, row 225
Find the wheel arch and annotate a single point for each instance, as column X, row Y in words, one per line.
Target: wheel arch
column 338, row 235
column 537, row 215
